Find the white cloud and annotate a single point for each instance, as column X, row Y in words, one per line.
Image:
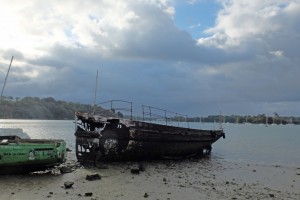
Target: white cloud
column 33, row 25
column 240, row 22
column 277, row 53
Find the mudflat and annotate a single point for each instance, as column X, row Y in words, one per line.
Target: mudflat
column 190, row 179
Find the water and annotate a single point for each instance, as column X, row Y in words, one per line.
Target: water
column 45, row 129
column 275, row 145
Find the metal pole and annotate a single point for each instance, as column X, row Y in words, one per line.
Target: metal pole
column 143, row 112
column 166, row 117
column 6, row 76
column 95, row 95
column 186, row 119
column 130, row 110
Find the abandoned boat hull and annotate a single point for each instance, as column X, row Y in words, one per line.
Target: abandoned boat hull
column 26, row 155
column 119, row 139
column 140, row 150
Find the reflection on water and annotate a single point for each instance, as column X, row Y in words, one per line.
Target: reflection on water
column 276, row 145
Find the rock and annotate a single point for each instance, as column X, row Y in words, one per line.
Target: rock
column 65, row 169
column 271, row 195
column 88, row 194
column 135, row 171
column 68, row 184
column 141, row 167
column 93, row 177
column 146, row 195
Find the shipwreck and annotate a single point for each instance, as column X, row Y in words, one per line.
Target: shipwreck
column 101, row 137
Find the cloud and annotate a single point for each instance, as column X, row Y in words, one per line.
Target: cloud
column 267, row 23
column 277, row 53
column 247, row 62
column 267, row 30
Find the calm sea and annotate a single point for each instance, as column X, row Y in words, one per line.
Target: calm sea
column 275, row 144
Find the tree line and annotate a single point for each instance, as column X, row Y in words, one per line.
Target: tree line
column 51, row 109
column 255, row 119
column 40, row 108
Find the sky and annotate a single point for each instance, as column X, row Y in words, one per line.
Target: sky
column 194, row 57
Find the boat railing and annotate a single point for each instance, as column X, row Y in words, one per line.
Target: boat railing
column 155, row 114
column 118, row 105
column 150, row 113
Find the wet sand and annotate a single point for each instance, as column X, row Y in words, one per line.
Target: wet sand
column 206, row 178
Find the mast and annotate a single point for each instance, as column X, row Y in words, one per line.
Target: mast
column 6, row 77
column 95, row 97
column 220, row 120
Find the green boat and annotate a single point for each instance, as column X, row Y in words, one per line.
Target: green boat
column 27, row 155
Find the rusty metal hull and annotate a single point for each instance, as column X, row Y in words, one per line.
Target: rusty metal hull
column 119, row 139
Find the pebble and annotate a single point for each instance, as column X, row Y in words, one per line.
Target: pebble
column 135, row 171
column 68, row 184
column 88, row 194
column 65, row 169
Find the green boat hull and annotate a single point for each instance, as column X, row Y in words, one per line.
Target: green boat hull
column 26, row 155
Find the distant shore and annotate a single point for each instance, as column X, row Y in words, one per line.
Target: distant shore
column 207, row 178
column 51, row 109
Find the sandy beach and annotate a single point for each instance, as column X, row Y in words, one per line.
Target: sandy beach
column 206, row 178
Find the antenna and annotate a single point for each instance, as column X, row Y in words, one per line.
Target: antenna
column 95, row 97
column 6, row 76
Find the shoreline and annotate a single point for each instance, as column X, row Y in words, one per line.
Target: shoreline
column 206, row 178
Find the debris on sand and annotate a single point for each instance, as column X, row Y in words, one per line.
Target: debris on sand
column 93, row 177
